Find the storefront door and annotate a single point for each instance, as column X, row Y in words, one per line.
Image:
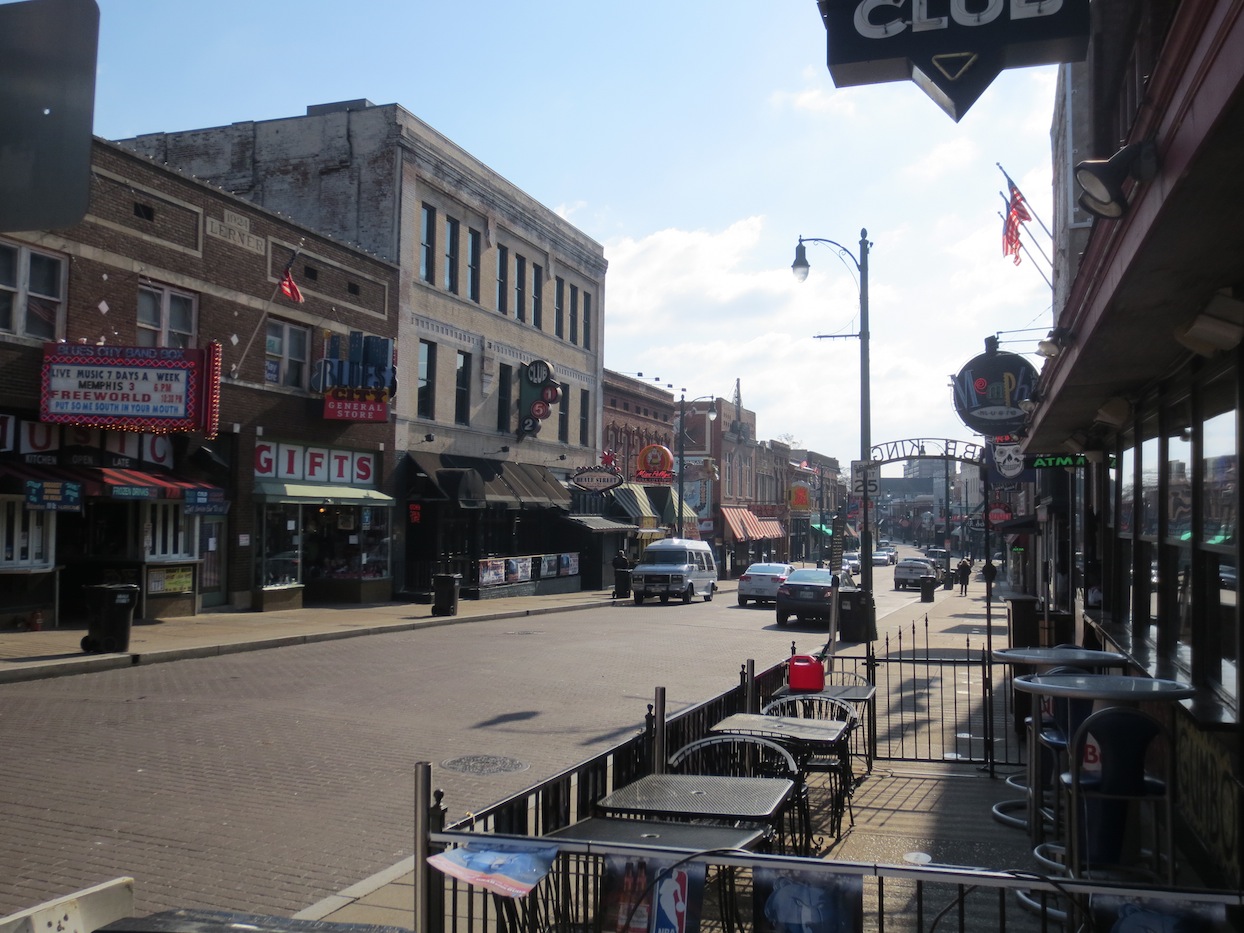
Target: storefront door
column 212, row 569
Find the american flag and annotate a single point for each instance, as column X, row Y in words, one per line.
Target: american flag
column 1016, row 214
column 289, row 288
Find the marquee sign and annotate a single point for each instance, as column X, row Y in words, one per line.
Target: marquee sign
column 952, row 49
column 156, row 390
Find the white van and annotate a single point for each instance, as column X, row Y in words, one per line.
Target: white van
column 675, row 567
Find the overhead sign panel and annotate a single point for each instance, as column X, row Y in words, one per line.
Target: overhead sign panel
column 952, row 49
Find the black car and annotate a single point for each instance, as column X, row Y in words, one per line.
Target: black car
column 806, row 594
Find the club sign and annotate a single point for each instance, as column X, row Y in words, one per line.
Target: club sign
column 538, row 393
column 952, row 49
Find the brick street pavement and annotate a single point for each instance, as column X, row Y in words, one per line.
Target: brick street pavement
column 384, row 898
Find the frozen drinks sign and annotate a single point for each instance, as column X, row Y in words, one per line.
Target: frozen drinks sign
column 988, row 391
column 953, row 49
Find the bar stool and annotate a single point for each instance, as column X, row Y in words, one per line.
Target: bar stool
column 1098, row 801
column 1054, row 732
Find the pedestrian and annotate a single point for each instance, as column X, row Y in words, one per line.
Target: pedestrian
column 620, row 561
column 965, row 572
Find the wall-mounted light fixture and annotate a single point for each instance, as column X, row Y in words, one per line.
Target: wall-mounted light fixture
column 1219, row 326
column 429, row 438
column 1054, row 342
column 1114, row 412
column 1030, row 403
column 1102, row 179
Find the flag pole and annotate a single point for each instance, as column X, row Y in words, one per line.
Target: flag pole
column 1007, row 202
column 1025, row 249
column 236, row 369
column 1010, row 184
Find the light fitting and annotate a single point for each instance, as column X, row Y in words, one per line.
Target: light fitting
column 800, row 265
column 429, row 438
column 1219, row 326
column 1054, row 342
column 1102, row 179
column 1114, row 412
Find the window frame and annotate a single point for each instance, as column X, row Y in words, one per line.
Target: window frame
column 166, row 295
column 174, row 534
column 537, row 296
column 520, row 288
column 425, row 386
column 563, row 415
column 585, row 420
column 35, row 527
column 462, row 389
column 453, row 234
column 503, row 280
column 283, row 358
column 21, row 292
column 474, row 259
column 505, row 398
column 587, row 320
column 559, row 307
column 427, row 245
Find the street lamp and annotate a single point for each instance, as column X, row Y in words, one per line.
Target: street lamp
column 800, row 268
column 682, row 445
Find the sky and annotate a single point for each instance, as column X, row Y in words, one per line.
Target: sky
column 696, row 141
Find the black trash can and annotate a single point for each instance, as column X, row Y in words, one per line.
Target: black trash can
column 928, row 586
column 112, row 616
column 857, row 617
column 621, row 584
column 445, row 594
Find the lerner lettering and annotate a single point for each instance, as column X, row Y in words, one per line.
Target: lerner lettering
column 871, row 21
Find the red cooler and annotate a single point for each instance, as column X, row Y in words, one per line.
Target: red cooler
column 805, row 673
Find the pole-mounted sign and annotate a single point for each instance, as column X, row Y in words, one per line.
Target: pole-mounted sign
column 952, row 49
column 537, row 394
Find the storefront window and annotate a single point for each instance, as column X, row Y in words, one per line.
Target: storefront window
column 281, row 563
column 169, row 534
column 1181, row 596
column 1218, row 655
column 26, row 536
column 345, row 542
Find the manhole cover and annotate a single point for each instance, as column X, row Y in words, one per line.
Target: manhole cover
column 483, row 764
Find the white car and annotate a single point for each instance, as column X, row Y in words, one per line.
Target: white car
column 851, row 561
column 759, row 582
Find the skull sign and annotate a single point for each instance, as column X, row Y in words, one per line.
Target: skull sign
column 1008, row 459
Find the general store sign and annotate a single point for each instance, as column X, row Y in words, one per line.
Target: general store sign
column 952, row 49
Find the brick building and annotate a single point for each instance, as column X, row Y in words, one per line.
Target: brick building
column 159, row 424
column 490, row 281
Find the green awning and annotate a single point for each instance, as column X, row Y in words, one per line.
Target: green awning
column 274, row 491
column 823, row 529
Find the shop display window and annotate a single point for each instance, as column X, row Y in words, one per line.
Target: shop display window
column 345, row 542
column 281, row 548
column 27, row 537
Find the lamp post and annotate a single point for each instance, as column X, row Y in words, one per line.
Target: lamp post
column 682, row 447
column 800, row 268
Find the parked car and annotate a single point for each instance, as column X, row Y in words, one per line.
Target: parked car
column 806, row 594
column 760, row 582
column 881, row 558
column 909, row 570
column 891, row 553
column 851, row 561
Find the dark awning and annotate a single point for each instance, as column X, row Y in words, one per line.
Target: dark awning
column 112, row 483
column 477, row 482
column 1017, row 524
column 601, row 525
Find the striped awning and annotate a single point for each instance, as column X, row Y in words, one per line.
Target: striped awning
column 744, row 524
column 634, row 501
column 598, row 524
column 772, row 529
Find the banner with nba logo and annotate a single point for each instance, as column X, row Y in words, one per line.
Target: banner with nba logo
column 652, row 896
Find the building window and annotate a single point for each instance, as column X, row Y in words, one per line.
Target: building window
column 520, row 288
column 165, row 317
column 505, row 397
column 425, row 403
column 474, row 258
column 462, row 389
column 427, row 246
column 451, row 255
column 32, row 289
column 585, row 411
column 27, row 536
column 559, row 307
column 537, row 297
column 503, row 279
column 587, row 321
column 574, row 314
column 285, row 354
column 170, row 535
column 563, row 416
